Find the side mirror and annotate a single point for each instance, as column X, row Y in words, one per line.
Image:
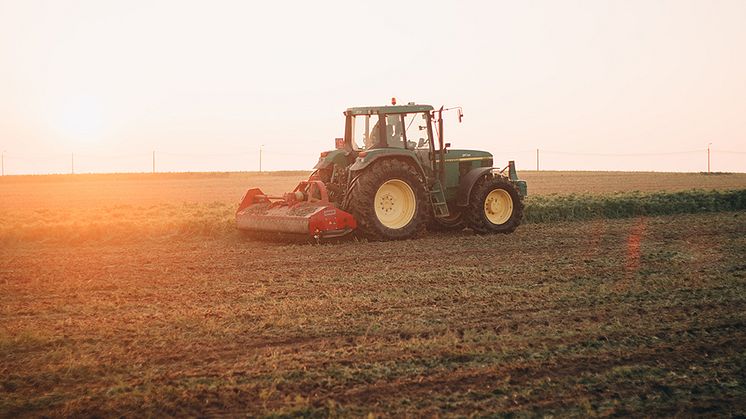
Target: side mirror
column 460, row 115
column 421, row 142
column 339, row 143
column 448, row 145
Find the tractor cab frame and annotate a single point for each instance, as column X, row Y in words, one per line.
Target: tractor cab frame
column 364, row 131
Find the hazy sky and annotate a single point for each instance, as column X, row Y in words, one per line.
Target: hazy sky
column 592, row 84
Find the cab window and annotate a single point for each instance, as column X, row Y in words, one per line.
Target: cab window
column 400, row 129
column 362, row 132
column 416, row 130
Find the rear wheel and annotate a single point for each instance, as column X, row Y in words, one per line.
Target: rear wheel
column 388, row 201
column 495, row 206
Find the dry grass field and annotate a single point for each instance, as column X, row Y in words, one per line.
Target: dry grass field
column 138, row 190
column 132, row 295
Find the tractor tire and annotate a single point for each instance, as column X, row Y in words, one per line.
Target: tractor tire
column 495, row 206
column 455, row 222
column 388, row 201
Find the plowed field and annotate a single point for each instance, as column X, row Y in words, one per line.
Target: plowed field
column 633, row 316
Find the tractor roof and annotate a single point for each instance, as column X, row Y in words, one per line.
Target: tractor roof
column 375, row 110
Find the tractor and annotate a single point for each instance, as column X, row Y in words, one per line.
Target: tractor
column 391, row 177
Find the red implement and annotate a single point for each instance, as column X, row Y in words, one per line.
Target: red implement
column 306, row 210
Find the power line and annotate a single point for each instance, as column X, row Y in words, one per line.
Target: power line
column 25, row 156
column 728, row 151
column 572, row 153
column 37, row 161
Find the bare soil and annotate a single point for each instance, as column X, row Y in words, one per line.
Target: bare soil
column 628, row 317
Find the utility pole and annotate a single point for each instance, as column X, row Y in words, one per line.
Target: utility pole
column 153, row 161
column 708, row 157
column 261, row 148
column 537, row 159
column 72, row 163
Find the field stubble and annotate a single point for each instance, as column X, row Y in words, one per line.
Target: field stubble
column 639, row 315
column 122, row 208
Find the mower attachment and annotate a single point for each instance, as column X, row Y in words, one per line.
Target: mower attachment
column 305, row 211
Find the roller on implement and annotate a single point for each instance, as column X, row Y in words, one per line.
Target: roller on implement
column 381, row 184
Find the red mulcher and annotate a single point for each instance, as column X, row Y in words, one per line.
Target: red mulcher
column 306, row 211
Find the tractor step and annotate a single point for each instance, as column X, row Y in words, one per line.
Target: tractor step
column 438, row 200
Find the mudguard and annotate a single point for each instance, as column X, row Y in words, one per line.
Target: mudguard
column 383, row 153
column 330, row 158
column 467, row 182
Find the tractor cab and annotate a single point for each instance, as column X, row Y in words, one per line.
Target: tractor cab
column 393, row 129
column 403, row 127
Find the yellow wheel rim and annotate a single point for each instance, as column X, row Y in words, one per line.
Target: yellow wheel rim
column 395, row 204
column 498, row 206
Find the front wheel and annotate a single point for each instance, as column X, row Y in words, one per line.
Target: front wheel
column 495, row 206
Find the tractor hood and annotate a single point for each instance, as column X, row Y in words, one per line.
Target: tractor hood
column 452, row 155
column 459, row 155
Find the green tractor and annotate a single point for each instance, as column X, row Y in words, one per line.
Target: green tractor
column 391, row 177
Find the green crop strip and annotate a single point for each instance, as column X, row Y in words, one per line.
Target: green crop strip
column 548, row 208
